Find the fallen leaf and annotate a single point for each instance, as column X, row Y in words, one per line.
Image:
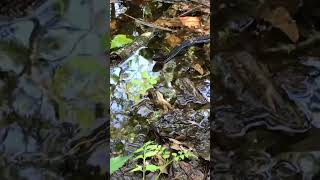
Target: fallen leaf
column 180, row 137
column 179, row 175
column 185, row 166
column 175, row 141
column 158, row 100
column 280, row 18
column 173, row 40
column 161, row 163
column 113, row 25
column 185, row 6
column 197, row 175
column 198, row 68
column 175, row 147
column 169, row 22
column 190, row 21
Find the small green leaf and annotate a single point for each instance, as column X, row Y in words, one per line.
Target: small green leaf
column 138, row 157
column 139, row 150
column 138, row 168
column 143, row 147
column 136, row 82
column 153, row 81
column 182, row 157
column 142, row 91
column 151, row 147
column 166, row 156
column 150, row 154
column 166, row 153
column 145, row 75
column 120, row 40
column 163, row 149
column 147, row 143
column 176, row 158
column 117, row 162
column 152, row 168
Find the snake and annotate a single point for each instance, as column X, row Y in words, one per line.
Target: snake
column 178, row 49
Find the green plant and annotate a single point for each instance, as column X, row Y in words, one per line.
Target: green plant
column 150, row 150
column 117, row 162
column 140, row 86
column 120, row 40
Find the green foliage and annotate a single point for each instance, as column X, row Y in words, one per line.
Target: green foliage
column 151, row 150
column 120, row 40
column 84, row 78
column 117, row 162
column 82, row 68
column 140, row 86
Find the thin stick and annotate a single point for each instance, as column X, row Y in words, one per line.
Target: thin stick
column 150, row 24
column 183, row 14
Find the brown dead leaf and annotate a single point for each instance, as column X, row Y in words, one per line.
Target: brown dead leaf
column 169, row 22
column 181, row 137
column 173, row 40
column 198, row 68
column 161, row 162
column 197, row 175
column 280, row 18
column 179, row 175
column 190, row 21
column 113, row 25
column 158, row 100
column 175, row 141
column 185, row 6
column 185, row 166
column 175, row 147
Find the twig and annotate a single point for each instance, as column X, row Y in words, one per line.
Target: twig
column 150, row 24
column 183, row 14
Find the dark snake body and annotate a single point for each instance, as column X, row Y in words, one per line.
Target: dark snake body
column 177, row 50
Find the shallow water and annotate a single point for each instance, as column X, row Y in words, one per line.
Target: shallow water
column 135, row 113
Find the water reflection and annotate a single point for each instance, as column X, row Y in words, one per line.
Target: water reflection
column 51, row 90
column 130, row 81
